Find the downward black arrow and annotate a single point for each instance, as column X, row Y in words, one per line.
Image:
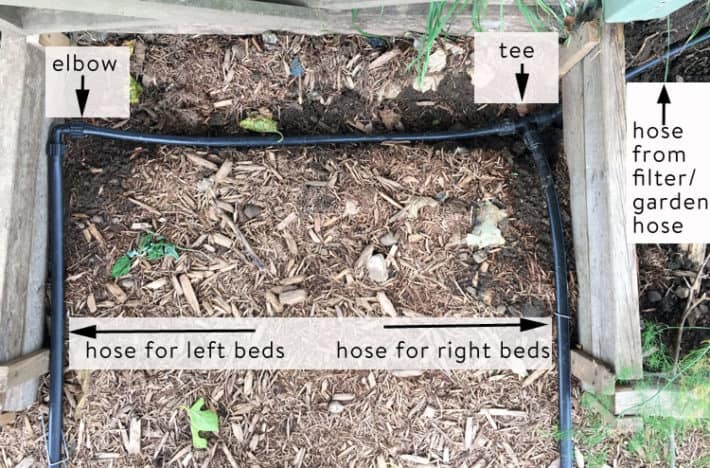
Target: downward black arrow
column 522, row 79
column 524, row 325
column 663, row 100
column 82, row 95
column 91, row 331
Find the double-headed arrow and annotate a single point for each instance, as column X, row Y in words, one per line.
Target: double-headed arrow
column 524, row 325
column 91, row 331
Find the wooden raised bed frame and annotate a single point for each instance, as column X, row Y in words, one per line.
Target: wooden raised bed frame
column 593, row 93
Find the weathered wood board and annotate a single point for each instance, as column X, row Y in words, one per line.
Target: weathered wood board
column 662, row 401
column 593, row 374
column 22, row 369
column 593, row 96
column 23, row 231
column 390, row 18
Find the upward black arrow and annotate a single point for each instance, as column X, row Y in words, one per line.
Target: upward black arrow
column 663, row 100
column 82, row 95
column 524, row 325
column 522, row 79
column 91, row 331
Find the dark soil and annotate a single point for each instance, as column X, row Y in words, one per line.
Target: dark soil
column 649, row 39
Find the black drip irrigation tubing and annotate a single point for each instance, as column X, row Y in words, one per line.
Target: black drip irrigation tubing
column 527, row 127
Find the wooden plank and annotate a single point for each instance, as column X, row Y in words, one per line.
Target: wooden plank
column 22, row 369
column 573, row 110
column 594, row 134
column 247, row 17
column 601, row 404
column 583, row 40
column 244, row 15
column 10, row 19
column 659, row 401
column 339, row 5
column 38, row 20
column 594, row 375
column 619, row 273
column 695, row 252
column 392, row 21
column 23, row 231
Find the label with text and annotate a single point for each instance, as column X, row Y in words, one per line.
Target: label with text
column 512, row 68
column 667, row 163
column 87, row 82
column 310, row 343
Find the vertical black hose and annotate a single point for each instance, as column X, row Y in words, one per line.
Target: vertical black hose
column 56, row 370
column 534, row 143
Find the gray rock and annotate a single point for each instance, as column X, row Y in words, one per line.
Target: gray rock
column 682, row 292
column 270, row 40
column 335, row 407
column 480, row 256
column 377, row 268
column 654, row 296
column 127, row 283
column 697, row 314
column 388, row 240
column 251, row 211
column 531, row 310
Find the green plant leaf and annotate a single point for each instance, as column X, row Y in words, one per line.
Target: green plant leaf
column 151, row 246
column 144, row 243
column 261, row 124
column 201, row 420
column 135, row 92
column 155, row 247
column 156, row 251
column 170, row 251
column 121, row 267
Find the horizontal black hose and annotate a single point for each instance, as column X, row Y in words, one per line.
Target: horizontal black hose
column 504, row 128
column 534, row 144
column 634, row 72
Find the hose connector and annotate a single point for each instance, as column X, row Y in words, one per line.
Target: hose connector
column 507, row 127
column 72, row 129
column 544, row 119
column 532, row 140
column 56, row 146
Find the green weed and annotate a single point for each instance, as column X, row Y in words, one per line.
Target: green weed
column 540, row 16
column 437, row 19
column 704, row 21
column 657, row 358
column 478, row 10
column 690, row 382
column 151, row 246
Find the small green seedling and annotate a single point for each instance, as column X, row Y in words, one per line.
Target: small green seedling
column 201, row 421
column 261, row 124
column 135, row 92
column 151, row 246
